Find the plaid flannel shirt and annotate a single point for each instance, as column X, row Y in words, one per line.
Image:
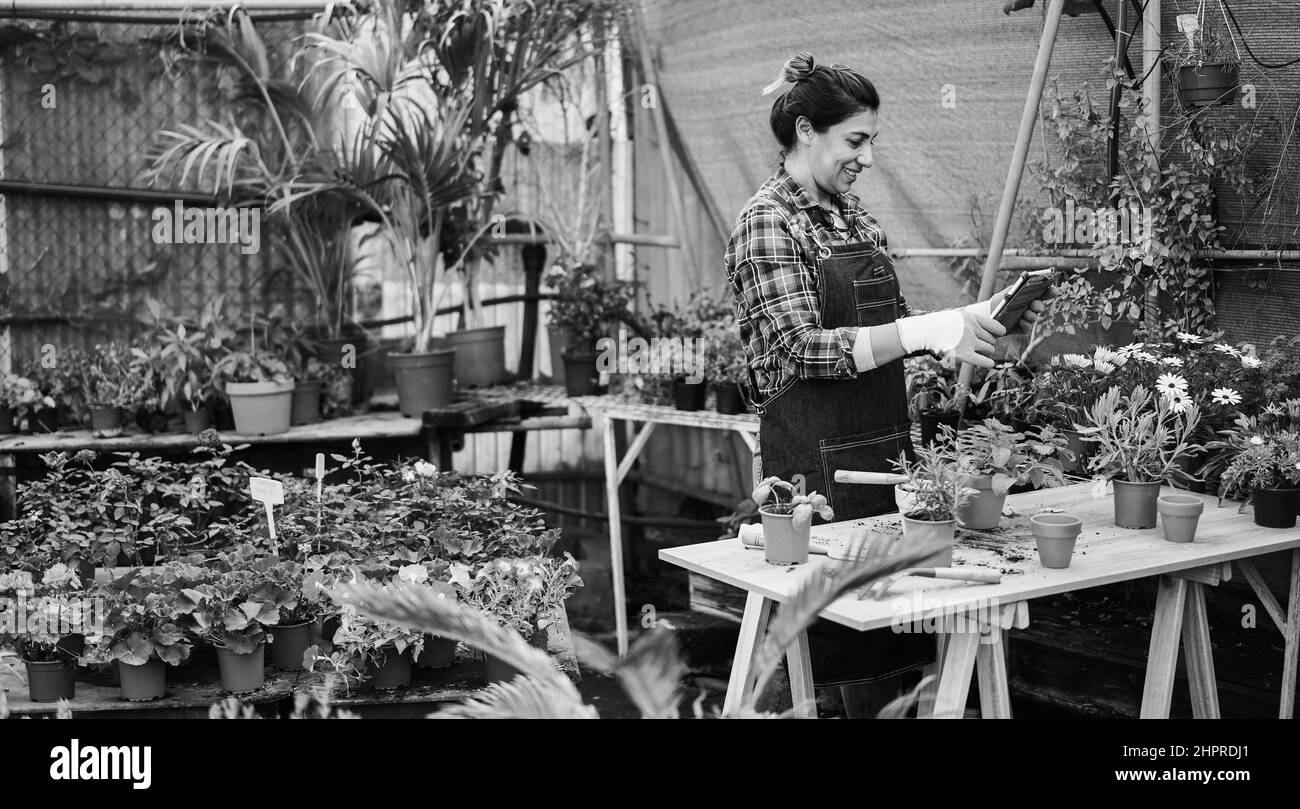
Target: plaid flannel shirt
column 771, row 263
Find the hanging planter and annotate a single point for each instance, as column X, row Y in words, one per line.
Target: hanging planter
column 1206, row 85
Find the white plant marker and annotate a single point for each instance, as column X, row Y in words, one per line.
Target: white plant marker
column 269, row 492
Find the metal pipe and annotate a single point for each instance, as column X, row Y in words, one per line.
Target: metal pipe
column 1151, row 92
column 1029, row 252
column 17, row 8
column 141, row 196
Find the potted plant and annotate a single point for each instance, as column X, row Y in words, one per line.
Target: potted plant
column 142, row 636
column 232, row 612
column 115, row 380
column 524, row 594
column 37, row 405
column 584, row 308
column 994, row 457
column 728, row 371
column 787, row 524
column 936, row 490
column 934, row 400
column 437, row 652
column 1263, row 468
column 54, row 635
column 260, row 389
column 376, row 652
column 11, row 386
column 187, row 350
column 298, row 605
column 1207, row 61
column 1139, row 439
column 309, row 379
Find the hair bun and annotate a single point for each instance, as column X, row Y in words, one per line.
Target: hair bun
column 796, row 69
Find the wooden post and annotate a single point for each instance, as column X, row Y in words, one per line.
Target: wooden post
column 605, row 150
column 1015, row 172
column 1151, row 93
column 650, row 75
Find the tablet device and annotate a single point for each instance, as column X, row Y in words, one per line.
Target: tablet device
column 1029, row 287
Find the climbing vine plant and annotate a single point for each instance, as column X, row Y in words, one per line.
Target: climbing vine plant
column 1147, row 224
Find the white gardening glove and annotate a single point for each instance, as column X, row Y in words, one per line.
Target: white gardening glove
column 984, row 308
column 964, row 334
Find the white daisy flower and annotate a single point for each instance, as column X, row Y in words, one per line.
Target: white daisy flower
column 1178, row 401
column 1143, row 356
column 1250, row 362
column 1171, row 383
column 1076, row 360
column 1103, row 366
column 1190, row 338
column 1131, row 349
column 1105, row 356
column 1227, row 349
column 1174, row 361
column 1225, row 396
column 1257, row 440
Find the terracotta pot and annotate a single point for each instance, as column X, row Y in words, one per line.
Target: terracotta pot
column 1275, row 508
column 480, row 355
column 241, row 673
column 393, row 672
column 50, row 681
column 499, row 671
column 782, row 543
column 424, row 381
column 728, row 399
column 1207, row 84
column 261, row 408
column 1135, row 504
column 288, row 643
column 1055, row 535
column 983, row 511
column 930, row 423
column 929, row 533
column 690, row 396
column 306, row 402
column 438, row 653
column 142, row 683
column 581, row 377
column 1179, row 514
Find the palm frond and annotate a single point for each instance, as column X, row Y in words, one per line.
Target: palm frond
column 522, row 698
column 652, row 673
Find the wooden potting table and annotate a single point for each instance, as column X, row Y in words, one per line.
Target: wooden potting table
column 970, row 620
column 608, row 410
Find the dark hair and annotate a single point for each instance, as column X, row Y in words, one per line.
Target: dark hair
column 825, row 95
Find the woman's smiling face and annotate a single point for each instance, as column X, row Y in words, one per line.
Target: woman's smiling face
column 836, row 156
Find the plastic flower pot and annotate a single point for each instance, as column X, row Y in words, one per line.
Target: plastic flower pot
column 690, row 396
column 105, row 420
column 1075, row 444
column 499, row 671
column 558, row 339
column 1179, row 514
column 1135, row 504
column 904, row 498
column 7, row 424
column 480, row 355
column 983, row 511
column 727, row 398
column 240, row 673
column 142, row 683
column 581, row 377
column 196, row 421
column 288, row 643
column 424, row 381
column 1275, row 508
column 782, row 543
column 1055, row 535
column 347, row 354
column 45, row 420
column 929, row 533
column 393, row 672
column 50, row 680
column 261, row 408
column 930, row 423
column 306, row 402
column 1207, row 84
column 438, row 653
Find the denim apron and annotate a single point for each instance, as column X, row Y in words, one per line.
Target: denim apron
column 816, row 426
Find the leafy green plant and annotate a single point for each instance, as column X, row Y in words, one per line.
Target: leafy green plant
column 55, row 609
column 935, row 480
column 587, row 305
column 1010, row 458
column 118, row 376
column 232, row 609
column 1139, row 436
column 141, row 622
column 246, row 366
column 525, row 594
column 1252, row 454
column 768, row 496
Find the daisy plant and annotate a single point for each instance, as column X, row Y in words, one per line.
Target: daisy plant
column 1140, row 436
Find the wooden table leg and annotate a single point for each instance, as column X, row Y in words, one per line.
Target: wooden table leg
column 799, row 663
column 753, row 627
column 1198, row 654
column 1291, row 636
column 954, row 675
column 1162, row 658
column 925, row 697
column 615, row 532
column 991, row 668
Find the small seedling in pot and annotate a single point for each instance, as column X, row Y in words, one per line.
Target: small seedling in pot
column 801, row 506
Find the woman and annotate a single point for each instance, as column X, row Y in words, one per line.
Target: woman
column 826, row 328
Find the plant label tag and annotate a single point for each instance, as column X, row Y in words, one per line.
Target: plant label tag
column 320, row 473
column 1099, row 486
column 265, row 490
